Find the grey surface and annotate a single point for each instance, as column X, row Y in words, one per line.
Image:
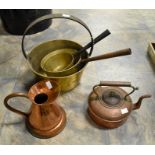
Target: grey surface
column 129, row 28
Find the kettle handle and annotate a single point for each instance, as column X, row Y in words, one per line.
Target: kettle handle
column 10, row 107
column 116, row 84
column 54, row 16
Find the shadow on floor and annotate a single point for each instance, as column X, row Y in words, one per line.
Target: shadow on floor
column 13, row 123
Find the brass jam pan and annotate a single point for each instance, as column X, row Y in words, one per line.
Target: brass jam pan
column 35, row 56
column 67, row 82
column 39, row 53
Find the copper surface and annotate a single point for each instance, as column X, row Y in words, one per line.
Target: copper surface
column 105, row 123
column 45, row 118
column 114, row 114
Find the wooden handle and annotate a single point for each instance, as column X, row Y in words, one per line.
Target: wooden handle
column 102, row 36
column 11, row 108
column 115, row 83
column 96, row 40
column 109, row 55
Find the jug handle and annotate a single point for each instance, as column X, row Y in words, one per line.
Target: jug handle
column 116, row 84
column 10, row 107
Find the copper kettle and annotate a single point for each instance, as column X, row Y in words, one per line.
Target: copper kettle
column 110, row 106
column 45, row 118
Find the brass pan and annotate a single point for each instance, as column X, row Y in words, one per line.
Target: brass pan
column 63, row 60
column 74, row 68
column 58, row 60
column 35, row 56
column 67, row 82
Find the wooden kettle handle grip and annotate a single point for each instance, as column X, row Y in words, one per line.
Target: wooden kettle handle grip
column 115, row 83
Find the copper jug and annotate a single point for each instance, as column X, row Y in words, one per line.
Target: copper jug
column 45, row 118
column 110, row 106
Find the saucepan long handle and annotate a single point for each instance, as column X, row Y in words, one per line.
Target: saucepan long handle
column 10, row 107
column 96, row 40
column 109, row 55
column 102, row 36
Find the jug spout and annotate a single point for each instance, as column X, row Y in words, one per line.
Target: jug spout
column 138, row 103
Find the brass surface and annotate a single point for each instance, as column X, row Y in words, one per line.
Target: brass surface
column 58, row 60
column 78, row 61
column 68, row 81
column 71, row 79
column 151, row 51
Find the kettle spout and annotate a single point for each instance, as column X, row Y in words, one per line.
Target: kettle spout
column 138, row 103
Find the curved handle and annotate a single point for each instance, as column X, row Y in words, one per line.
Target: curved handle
column 109, row 55
column 54, row 16
column 96, row 40
column 116, row 84
column 11, row 108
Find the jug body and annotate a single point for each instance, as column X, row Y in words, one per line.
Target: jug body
column 45, row 118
